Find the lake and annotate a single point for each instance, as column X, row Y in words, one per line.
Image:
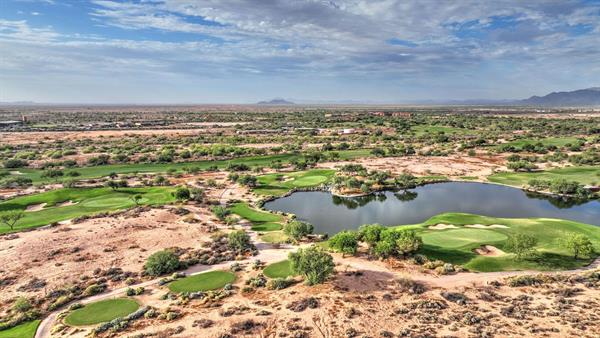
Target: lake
column 331, row 214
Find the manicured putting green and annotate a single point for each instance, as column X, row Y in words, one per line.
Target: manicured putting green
column 279, row 270
column 203, row 282
column 279, row 183
column 457, row 238
column 25, row 330
column 102, row 311
column 274, row 237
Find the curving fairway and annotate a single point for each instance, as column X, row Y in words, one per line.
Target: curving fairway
column 25, row 330
column 279, row 270
column 203, row 282
column 457, row 238
column 278, row 184
column 102, row 311
column 81, row 201
column 581, row 174
column 261, row 220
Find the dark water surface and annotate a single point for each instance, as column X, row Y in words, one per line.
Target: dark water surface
column 330, row 214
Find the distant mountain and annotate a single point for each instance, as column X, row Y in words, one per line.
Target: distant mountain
column 582, row 97
column 276, row 102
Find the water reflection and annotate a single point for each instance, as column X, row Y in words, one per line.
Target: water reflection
column 331, row 214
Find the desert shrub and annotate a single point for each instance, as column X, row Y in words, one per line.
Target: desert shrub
column 279, row 283
column 93, row 290
column 161, row 262
column 239, row 241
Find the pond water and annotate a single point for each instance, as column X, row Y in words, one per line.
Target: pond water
column 331, row 214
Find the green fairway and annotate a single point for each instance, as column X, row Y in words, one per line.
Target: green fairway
column 456, row 238
column 279, row 270
column 583, row 175
column 25, row 330
column 456, row 245
column 81, row 201
column 203, row 282
column 261, row 220
column 102, row 311
column 548, row 141
column 280, row 183
column 105, row 170
column 274, row 237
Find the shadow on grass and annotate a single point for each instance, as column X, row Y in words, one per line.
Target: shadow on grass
column 453, row 256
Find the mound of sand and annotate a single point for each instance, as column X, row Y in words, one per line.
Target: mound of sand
column 442, row 226
column 481, row 226
column 489, row 250
column 35, row 207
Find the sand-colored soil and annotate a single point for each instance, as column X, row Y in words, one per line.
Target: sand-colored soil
column 442, row 226
column 481, row 226
column 35, row 207
column 449, row 166
column 62, row 254
column 489, row 250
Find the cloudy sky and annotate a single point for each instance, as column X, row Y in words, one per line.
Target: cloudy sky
column 178, row 51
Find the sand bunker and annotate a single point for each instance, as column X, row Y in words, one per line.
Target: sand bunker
column 35, row 207
column 481, row 226
column 65, row 204
column 442, row 226
column 489, row 250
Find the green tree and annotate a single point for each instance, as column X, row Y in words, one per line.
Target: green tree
column 161, row 262
column 10, row 218
column 182, row 194
column 297, row 230
column 579, row 245
column 384, row 248
column 313, row 263
column 522, row 245
column 370, row 234
column 239, row 241
column 345, row 242
column 136, row 199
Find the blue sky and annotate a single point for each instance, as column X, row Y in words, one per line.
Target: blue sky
column 220, row 51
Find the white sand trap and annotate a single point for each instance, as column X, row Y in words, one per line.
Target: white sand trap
column 481, row 226
column 442, row 226
column 66, row 204
column 35, row 207
column 489, row 250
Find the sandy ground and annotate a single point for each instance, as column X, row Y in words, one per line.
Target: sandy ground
column 34, row 137
column 372, row 303
column 450, row 166
column 62, row 254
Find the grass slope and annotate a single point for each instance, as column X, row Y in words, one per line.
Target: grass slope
column 279, row 270
column 583, row 175
column 88, row 201
column 102, row 311
column 203, row 282
column 457, row 245
column 261, row 220
column 279, row 183
column 25, row 330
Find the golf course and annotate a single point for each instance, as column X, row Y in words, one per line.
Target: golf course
column 203, row 282
column 461, row 234
column 63, row 204
column 260, row 220
column 582, row 174
column 279, row 183
column 279, row 270
column 102, row 311
column 25, row 330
